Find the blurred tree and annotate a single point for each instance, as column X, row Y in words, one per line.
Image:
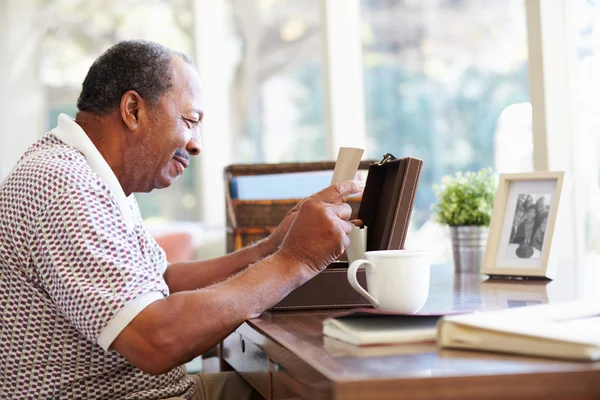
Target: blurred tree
column 78, row 31
column 435, row 92
column 438, row 73
column 275, row 37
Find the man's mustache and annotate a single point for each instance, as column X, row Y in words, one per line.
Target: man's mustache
column 183, row 155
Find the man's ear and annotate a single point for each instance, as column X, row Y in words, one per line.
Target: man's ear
column 132, row 109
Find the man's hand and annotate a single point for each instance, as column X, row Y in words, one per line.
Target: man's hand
column 319, row 227
column 330, row 194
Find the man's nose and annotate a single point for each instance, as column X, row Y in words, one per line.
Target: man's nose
column 194, row 146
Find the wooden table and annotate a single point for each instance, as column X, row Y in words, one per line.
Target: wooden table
column 285, row 356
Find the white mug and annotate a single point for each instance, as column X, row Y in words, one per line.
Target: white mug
column 398, row 280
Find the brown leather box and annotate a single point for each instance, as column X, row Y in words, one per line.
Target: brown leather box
column 329, row 289
column 385, row 208
column 388, row 200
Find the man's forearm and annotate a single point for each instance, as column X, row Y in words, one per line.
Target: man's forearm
column 182, row 326
column 191, row 275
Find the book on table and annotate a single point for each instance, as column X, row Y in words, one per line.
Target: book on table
column 366, row 326
column 569, row 330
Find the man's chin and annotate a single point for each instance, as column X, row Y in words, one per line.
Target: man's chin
column 164, row 182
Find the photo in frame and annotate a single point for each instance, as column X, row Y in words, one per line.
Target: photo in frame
column 522, row 225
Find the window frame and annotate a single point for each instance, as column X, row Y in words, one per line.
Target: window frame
column 552, row 56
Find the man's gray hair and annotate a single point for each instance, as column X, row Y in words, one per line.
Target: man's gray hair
column 138, row 65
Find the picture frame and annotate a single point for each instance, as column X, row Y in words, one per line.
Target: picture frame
column 522, row 225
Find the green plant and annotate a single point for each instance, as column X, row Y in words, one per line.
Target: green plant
column 465, row 199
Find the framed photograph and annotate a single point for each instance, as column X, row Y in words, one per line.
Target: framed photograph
column 522, row 225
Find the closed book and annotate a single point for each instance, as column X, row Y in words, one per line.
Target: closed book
column 371, row 327
column 569, row 330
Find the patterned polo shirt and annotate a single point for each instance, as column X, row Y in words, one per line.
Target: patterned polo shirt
column 76, row 266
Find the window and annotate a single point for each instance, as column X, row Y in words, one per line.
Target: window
column 586, row 82
column 455, row 97
column 277, row 83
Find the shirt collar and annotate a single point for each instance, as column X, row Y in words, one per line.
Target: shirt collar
column 71, row 134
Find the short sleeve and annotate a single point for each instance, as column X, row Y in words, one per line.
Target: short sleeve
column 88, row 262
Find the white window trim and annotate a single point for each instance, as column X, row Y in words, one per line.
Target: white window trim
column 551, row 43
column 343, row 73
column 210, row 51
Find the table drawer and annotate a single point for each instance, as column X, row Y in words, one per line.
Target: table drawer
column 249, row 360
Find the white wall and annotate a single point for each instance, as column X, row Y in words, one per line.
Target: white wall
column 21, row 92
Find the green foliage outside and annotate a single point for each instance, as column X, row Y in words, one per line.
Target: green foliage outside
column 465, row 199
column 411, row 114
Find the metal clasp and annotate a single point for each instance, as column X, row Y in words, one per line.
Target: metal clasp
column 386, row 157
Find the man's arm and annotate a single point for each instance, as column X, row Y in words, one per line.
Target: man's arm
column 174, row 330
column 191, row 275
column 198, row 274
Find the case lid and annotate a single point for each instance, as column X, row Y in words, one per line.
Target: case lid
column 388, row 200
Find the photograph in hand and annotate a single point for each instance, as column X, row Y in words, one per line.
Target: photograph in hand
column 529, row 225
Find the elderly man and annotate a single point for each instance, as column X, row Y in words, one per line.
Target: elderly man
column 90, row 308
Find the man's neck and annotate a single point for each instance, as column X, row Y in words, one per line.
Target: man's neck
column 103, row 131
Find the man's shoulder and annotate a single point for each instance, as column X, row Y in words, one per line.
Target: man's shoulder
column 50, row 166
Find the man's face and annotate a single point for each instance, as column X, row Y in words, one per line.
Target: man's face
column 173, row 131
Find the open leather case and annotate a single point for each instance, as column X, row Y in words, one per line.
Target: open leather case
column 385, row 208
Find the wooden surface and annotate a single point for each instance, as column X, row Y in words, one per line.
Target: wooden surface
column 289, row 349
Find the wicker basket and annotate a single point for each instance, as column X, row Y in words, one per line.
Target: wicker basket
column 249, row 221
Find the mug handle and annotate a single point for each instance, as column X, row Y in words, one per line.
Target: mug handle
column 354, row 267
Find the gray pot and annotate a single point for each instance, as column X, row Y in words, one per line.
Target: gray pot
column 468, row 246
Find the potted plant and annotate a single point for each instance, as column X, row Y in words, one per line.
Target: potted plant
column 464, row 202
